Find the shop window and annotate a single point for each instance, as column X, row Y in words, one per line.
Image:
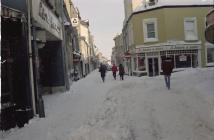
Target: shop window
column 183, row 61
column 141, row 64
column 190, row 29
column 150, row 30
column 210, row 55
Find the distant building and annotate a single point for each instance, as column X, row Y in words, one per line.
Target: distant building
column 118, row 51
column 74, row 15
column 113, row 56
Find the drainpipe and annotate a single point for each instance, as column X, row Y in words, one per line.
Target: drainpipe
column 39, row 100
column 30, row 57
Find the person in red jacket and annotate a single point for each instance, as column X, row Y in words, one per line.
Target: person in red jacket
column 167, row 67
column 114, row 71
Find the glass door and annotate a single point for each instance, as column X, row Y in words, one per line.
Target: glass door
column 153, row 67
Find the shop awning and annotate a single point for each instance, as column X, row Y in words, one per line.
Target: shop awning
column 10, row 13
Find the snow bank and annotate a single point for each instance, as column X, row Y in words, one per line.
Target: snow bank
column 134, row 109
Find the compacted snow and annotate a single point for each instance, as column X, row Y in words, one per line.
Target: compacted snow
column 138, row 108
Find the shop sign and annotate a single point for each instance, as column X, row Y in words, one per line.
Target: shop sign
column 182, row 58
column 166, row 47
column 46, row 18
column 181, row 47
column 74, row 22
column 149, row 49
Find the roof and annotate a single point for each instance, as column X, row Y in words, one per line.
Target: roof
column 160, row 3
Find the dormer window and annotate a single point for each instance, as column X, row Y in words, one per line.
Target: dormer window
column 151, row 2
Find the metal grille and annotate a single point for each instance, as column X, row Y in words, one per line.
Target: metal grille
column 178, row 52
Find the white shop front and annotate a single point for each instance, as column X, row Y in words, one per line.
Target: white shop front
column 147, row 60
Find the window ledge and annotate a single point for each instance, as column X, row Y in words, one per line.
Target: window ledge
column 147, row 40
column 191, row 39
column 210, row 64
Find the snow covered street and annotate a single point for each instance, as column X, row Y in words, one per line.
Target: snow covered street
column 138, row 108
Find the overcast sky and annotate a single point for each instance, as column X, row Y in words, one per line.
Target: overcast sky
column 105, row 19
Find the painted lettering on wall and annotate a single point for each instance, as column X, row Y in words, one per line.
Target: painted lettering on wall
column 45, row 14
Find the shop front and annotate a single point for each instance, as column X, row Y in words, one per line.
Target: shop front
column 16, row 105
column 147, row 60
column 50, row 68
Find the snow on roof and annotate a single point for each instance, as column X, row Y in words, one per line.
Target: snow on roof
column 160, row 3
column 186, row 2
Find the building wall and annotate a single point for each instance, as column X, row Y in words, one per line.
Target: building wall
column 118, row 51
column 170, row 24
column 71, row 8
column 129, row 6
column 84, row 34
column 166, row 23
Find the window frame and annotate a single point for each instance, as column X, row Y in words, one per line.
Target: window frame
column 194, row 20
column 145, row 31
column 208, row 46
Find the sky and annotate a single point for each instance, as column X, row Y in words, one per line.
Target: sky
column 105, row 19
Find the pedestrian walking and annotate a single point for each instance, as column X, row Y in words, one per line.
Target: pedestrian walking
column 121, row 71
column 114, row 71
column 167, row 67
column 102, row 71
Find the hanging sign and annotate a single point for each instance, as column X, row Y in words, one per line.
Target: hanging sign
column 74, row 22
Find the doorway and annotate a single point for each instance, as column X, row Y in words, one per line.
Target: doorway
column 16, row 105
column 153, row 67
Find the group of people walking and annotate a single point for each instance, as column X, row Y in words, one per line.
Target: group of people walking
column 121, row 71
column 167, row 67
column 114, row 69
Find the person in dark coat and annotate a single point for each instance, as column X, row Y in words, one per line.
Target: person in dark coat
column 114, row 71
column 102, row 71
column 167, row 67
column 121, row 71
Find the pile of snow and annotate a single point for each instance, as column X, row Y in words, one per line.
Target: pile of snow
column 160, row 3
column 137, row 108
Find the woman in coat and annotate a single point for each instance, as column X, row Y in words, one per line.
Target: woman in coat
column 114, row 71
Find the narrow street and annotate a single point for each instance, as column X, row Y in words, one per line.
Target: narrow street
column 134, row 109
column 54, row 58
